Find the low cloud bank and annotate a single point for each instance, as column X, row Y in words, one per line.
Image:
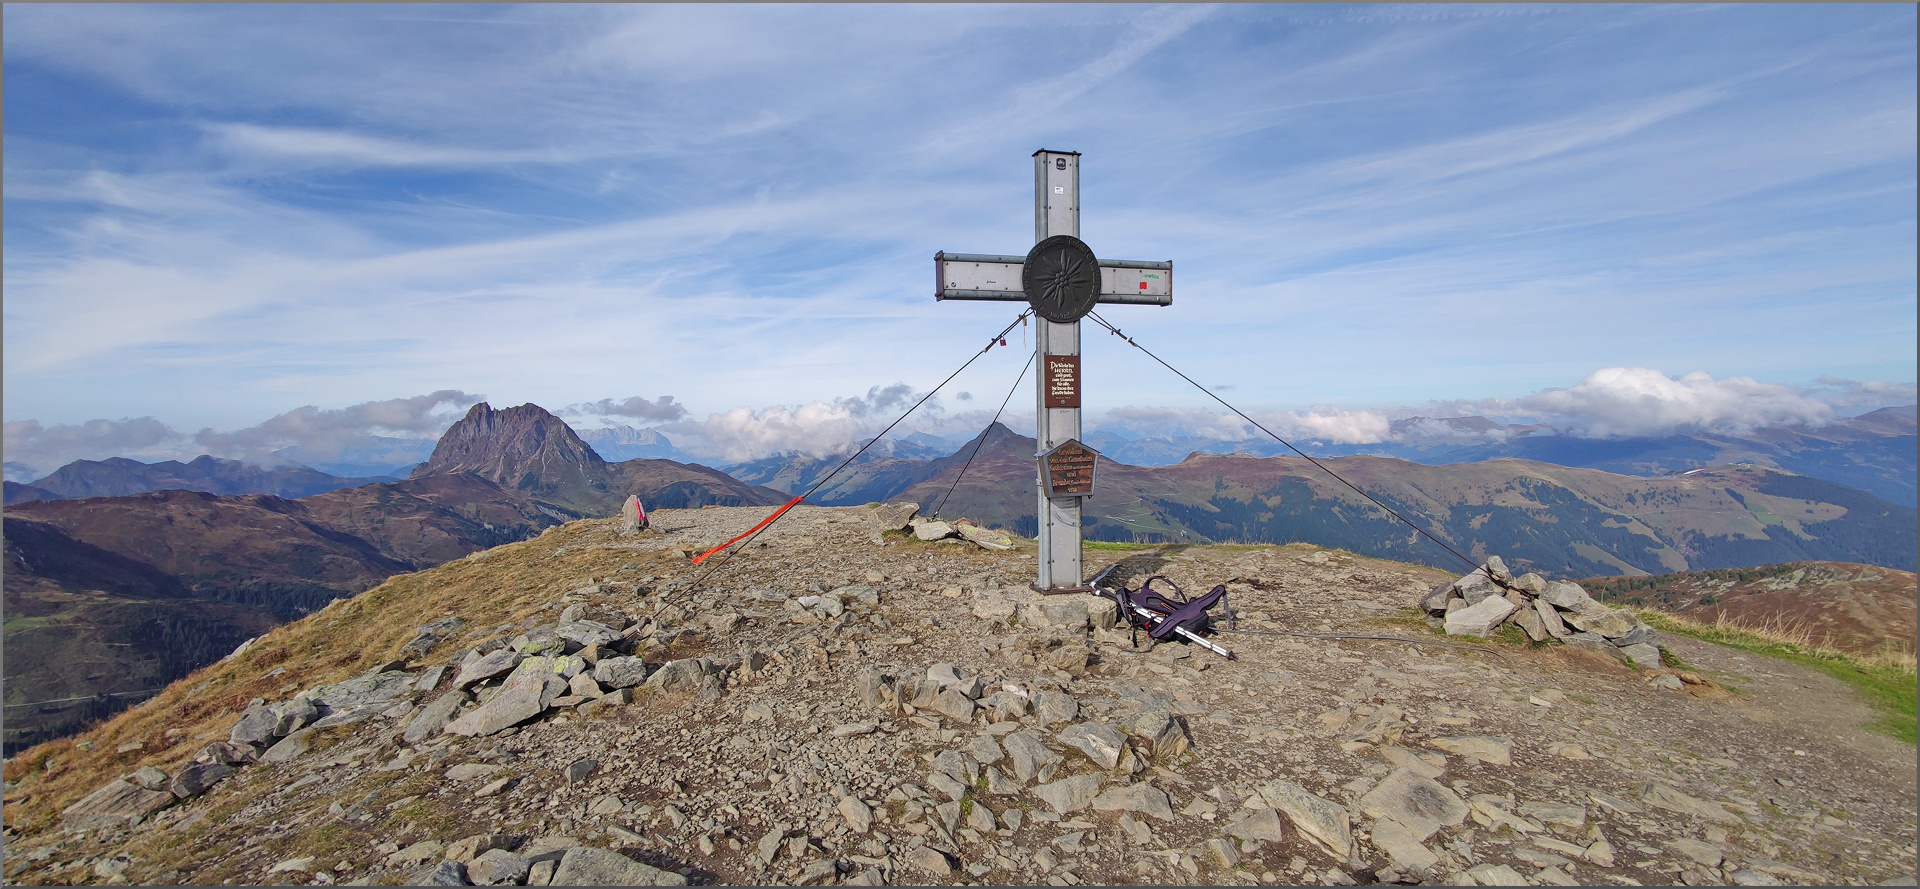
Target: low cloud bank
column 662, row 409
column 1612, row 402
column 1618, row 402
column 310, row 433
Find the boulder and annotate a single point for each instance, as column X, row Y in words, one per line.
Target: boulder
column 523, row 698
column 1479, row 620
column 1639, row 634
column 1027, row 755
column 620, row 672
column 1602, row 620
column 1065, row 612
column 435, row 716
column 118, row 802
column 296, row 713
column 858, row 814
column 227, row 753
column 1497, row 570
column 364, row 691
column 1069, row 794
column 255, row 727
column 875, row 690
column 1417, row 803
column 993, row 605
column 1102, row 613
column 1566, row 596
column 1528, row 619
column 983, row 537
column 1644, row 655
column 488, row 666
column 893, row 516
column 588, row 866
column 1435, row 601
column 1530, row 583
column 1055, row 707
column 955, row 705
column 1402, row 846
column 288, row 748
column 588, row 632
column 499, row 867
column 1101, row 742
column 932, row 530
column 679, row 677
column 196, row 778
column 1323, row 823
column 633, row 516
column 150, row 778
column 1550, row 619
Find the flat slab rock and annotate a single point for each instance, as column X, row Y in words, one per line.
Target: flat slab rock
column 116, row 803
column 587, row 866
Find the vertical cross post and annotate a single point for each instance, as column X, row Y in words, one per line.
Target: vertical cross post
column 1055, row 282
column 1056, row 211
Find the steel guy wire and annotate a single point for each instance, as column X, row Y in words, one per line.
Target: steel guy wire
column 727, row 556
column 1256, row 424
column 983, row 436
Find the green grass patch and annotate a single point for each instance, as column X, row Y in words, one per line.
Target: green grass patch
column 1889, row 688
column 1107, row 546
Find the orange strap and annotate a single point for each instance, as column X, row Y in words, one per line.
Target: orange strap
column 750, row 531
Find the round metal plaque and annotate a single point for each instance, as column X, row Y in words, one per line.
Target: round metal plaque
column 1061, row 279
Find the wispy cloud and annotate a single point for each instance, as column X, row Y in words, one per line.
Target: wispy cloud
column 1368, row 205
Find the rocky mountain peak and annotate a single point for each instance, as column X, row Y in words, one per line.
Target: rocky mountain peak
column 512, row 446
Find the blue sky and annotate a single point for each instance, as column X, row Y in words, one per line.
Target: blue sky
column 215, row 214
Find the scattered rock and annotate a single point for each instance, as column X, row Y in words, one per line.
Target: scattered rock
column 931, row 860
column 1322, row 822
column 1069, row 794
column 1101, row 742
column 1263, row 826
column 1143, row 798
column 858, row 814
column 1055, row 707
column 1490, row 750
column 1415, row 802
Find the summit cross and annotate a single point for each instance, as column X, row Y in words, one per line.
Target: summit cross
column 1063, row 281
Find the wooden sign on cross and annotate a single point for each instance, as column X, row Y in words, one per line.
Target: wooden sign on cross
column 1063, row 281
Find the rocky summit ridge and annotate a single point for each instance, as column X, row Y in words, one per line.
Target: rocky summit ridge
column 849, row 702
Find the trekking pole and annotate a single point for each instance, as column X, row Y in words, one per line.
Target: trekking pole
column 1154, row 619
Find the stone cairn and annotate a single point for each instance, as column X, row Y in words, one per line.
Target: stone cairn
column 1490, row 596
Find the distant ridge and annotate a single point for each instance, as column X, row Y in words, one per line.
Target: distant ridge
column 122, row 477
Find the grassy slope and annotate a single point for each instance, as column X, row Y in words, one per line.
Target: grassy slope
column 344, row 640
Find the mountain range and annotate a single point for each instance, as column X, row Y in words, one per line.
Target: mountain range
column 1567, row 521
column 147, row 586
column 1874, row 452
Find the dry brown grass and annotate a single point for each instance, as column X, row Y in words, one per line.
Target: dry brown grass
column 1796, row 633
column 346, row 639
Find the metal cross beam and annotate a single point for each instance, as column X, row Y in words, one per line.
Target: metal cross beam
column 1064, row 466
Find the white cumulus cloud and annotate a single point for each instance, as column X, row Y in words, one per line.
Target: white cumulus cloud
column 1631, row 401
